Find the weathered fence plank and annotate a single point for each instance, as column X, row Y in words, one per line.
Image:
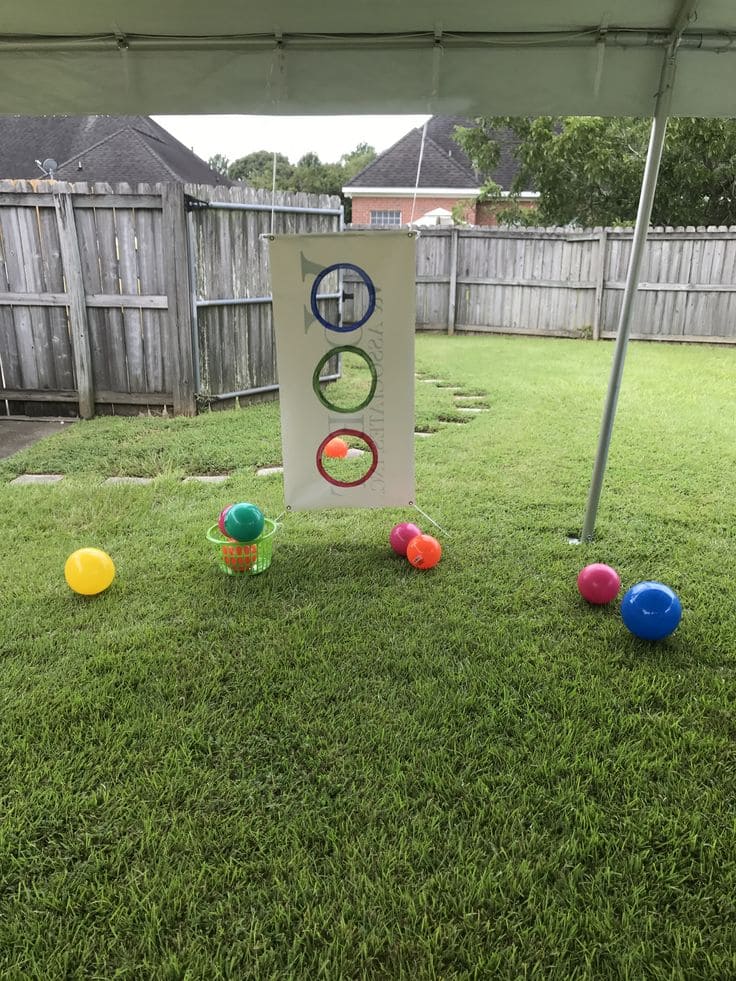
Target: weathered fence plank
column 130, row 283
column 53, row 281
column 111, row 320
column 151, row 276
column 69, row 249
column 28, row 375
column 180, row 312
column 30, row 247
column 10, row 363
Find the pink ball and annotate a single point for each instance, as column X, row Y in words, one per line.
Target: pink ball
column 401, row 535
column 598, row 583
column 221, row 520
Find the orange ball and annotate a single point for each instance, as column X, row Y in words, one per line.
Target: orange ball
column 336, row 448
column 424, row 552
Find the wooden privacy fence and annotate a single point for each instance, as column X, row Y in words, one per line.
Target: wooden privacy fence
column 121, row 296
column 565, row 282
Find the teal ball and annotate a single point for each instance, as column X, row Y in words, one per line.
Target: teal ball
column 244, row 522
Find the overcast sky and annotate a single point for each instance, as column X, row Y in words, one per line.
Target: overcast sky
column 327, row 136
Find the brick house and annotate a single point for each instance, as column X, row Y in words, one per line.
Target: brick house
column 386, row 192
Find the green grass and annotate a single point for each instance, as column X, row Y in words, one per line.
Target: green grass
column 345, row 768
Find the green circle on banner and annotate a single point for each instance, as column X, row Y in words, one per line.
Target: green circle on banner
column 345, row 349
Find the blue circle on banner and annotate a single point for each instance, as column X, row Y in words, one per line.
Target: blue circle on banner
column 371, row 297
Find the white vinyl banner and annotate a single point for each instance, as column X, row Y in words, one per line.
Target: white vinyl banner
column 377, row 329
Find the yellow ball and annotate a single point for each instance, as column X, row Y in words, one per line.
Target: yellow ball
column 89, row 571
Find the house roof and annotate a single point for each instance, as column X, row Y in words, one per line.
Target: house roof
column 444, row 162
column 99, row 148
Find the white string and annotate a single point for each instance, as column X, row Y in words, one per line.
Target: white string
column 432, row 521
column 419, row 170
column 273, row 190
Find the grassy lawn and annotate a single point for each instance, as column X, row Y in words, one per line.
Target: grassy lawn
column 345, row 768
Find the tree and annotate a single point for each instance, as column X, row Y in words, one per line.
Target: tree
column 356, row 160
column 219, row 163
column 588, row 169
column 309, row 175
column 256, row 169
column 315, row 177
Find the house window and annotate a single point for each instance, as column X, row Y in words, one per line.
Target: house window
column 385, row 218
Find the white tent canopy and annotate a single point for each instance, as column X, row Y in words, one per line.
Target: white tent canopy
column 516, row 57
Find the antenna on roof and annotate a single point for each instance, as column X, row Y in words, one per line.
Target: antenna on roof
column 49, row 167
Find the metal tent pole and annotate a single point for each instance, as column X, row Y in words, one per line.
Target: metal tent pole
column 648, row 187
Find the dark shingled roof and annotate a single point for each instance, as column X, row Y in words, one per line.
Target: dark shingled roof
column 444, row 163
column 397, row 166
column 113, row 149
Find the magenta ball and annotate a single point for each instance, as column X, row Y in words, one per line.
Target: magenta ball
column 598, row 583
column 401, row 535
column 221, row 519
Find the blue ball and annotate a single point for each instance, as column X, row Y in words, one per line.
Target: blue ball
column 651, row 610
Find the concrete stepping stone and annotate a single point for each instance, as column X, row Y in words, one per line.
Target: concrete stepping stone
column 423, row 435
column 127, row 480
column 431, row 381
column 207, row 478
column 38, row 478
column 466, row 397
column 268, row 471
column 468, row 408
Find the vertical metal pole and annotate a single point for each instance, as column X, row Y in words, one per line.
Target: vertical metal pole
column 648, row 187
column 340, row 286
column 340, row 289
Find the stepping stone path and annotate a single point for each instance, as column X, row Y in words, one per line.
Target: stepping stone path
column 208, row 479
column 127, row 480
column 353, row 452
column 38, row 478
column 458, row 396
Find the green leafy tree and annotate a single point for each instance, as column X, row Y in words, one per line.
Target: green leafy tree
column 315, row 177
column 256, row 170
column 309, row 174
column 219, row 163
column 352, row 163
column 588, row 169
column 356, row 160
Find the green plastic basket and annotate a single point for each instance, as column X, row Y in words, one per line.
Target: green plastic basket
column 244, row 558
